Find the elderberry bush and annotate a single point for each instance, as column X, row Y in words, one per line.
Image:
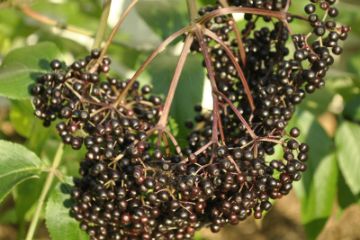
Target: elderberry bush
column 133, row 185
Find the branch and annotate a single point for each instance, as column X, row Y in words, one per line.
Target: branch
column 211, row 73
column 174, row 82
column 199, row 151
column 236, row 65
column 239, row 41
column 158, row 50
column 113, row 33
column 45, row 191
column 256, row 11
column 238, row 114
column 192, row 10
column 103, row 24
column 288, row 3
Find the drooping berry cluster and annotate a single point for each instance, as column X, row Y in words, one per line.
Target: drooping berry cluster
column 87, row 104
column 134, row 185
column 277, row 82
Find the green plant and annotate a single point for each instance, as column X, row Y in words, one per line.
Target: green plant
column 138, row 159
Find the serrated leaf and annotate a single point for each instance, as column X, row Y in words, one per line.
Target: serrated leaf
column 348, row 153
column 17, row 164
column 58, row 221
column 21, row 66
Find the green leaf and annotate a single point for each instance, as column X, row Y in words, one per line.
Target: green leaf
column 166, row 18
column 58, row 221
column 344, row 195
column 22, row 65
column 352, row 109
column 174, row 126
column 317, row 195
column 318, row 205
column 85, row 15
column 198, row 236
column 353, row 64
column 349, row 14
column 318, row 102
column 26, row 195
column 22, row 117
column 8, row 217
column 206, row 2
column 348, row 152
column 342, row 83
column 17, row 164
column 134, row 30
column 320, row 191
column 23, row 120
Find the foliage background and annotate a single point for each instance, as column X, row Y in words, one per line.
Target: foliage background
column 325, row 204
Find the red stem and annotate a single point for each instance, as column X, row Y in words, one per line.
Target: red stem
column 200, row 150
column 239, row 41
column 238, row 114
column 256, row 11
column 174, row 82
column 211, row 73
column 158, row 50
column 112, row 34
column 236, row 65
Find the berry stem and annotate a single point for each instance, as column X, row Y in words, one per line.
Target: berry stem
column 175, row 80
column 158, row 50
column 298, row 17
column 174, row 141
column 199, row 151
column 236, row 65
column 113, row 33
column 48, row 182
column 238, row 114
column 288, row 3
column 239, row 40
column 211, row 74
column 103, row 24
column 256, row 11
column 231, row 159
column 192, row 9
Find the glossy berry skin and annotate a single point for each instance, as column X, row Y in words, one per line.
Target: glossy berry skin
column 134, row 186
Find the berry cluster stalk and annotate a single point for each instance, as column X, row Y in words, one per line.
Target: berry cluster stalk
column 48, row 182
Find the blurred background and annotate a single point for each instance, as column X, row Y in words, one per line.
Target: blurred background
column 324, row 204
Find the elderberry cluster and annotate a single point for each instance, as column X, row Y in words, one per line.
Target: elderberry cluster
column 134, row 184
column 242, row 177
column 86, row 101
